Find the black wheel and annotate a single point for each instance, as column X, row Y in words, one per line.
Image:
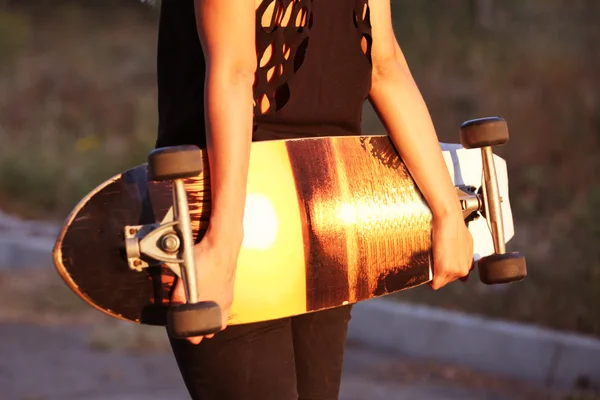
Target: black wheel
column 193, row 319
column 483, row 132
column 167, row 163
column 502, row 268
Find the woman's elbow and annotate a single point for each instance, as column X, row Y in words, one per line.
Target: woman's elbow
column 244, row 74
column 244, row 68
column 233, row 70
column 388, row 70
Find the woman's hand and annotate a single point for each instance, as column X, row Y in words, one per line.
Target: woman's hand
column 452, row 250
column 216, row 262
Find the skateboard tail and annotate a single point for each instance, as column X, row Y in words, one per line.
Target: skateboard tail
column 58, row 255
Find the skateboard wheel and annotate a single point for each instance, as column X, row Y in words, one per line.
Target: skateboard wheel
column 483, row 132
column 193, row 319
column 502, row 268
column 167, row 163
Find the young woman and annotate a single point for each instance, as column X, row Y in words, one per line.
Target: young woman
column 234, row 71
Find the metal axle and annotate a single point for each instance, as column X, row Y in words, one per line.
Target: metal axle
column 171, row 242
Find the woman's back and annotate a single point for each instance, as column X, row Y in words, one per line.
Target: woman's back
column 313, row 75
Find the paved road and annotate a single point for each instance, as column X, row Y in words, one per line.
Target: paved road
column 83, row 362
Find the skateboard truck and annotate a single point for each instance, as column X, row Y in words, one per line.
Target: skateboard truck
column 159, row 242
column 171, row 242
column 500, row 267
column 470, row 202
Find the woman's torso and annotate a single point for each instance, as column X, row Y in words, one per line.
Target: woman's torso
column 313, row 75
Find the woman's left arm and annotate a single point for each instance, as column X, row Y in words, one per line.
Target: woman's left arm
column 402, row 110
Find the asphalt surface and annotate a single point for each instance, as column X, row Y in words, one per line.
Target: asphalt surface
column 86, row 362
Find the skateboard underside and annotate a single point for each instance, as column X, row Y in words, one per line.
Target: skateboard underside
column 328, row 222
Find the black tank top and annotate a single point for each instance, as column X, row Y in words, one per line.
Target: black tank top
column 314, row 83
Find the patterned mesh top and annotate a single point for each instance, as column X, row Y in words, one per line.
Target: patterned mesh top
column 314, row 70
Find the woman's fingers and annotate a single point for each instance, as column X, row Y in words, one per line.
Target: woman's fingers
column 178, row 297
column 445, row 274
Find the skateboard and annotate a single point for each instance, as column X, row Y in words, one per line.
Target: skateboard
column 329, row 221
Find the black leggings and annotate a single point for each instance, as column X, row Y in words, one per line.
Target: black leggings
column 293, row 358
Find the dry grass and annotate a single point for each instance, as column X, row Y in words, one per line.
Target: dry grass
column 78, row 103
column 537, row 67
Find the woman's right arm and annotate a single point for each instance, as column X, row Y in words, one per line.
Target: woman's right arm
column 226, row 32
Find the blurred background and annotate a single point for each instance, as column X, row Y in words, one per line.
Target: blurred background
column 78, row 104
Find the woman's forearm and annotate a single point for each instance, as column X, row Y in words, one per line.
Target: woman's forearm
column 230, row 56
column 229, row 134
column 401, row 108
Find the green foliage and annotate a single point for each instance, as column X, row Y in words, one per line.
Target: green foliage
column 15, row 33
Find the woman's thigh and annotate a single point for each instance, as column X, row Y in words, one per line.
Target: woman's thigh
column 319, row 343
column 254, row 361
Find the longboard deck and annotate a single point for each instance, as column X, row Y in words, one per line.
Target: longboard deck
column 329, row 221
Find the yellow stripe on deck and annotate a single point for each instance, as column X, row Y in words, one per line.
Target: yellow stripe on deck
column 271, row 274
